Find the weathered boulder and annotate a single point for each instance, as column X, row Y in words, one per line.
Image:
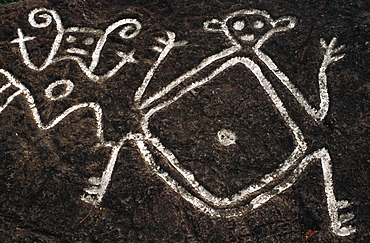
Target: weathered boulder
column 184, row 121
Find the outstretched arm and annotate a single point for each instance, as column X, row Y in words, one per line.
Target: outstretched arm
column 23, row 90
column 329, row 58
column 169, row 44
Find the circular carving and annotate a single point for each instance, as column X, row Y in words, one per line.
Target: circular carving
column 67, row 89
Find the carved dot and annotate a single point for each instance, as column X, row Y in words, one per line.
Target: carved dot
column 258, row 24
column 226, row 137
column 71, row 39
column 68, row 88
column 239, row 25
column 89, row 41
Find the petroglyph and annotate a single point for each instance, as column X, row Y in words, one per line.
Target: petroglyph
column 130, row 28
column 244, row 29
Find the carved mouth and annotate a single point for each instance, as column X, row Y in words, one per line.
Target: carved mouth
column 78, row 51
column 247, row 37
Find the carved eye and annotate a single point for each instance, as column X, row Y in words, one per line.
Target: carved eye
column 258, row 24
column 239, row 25
column 89, row 41
column 71, row 39
column 129, row 32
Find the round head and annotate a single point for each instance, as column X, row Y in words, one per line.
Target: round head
column 250, row 27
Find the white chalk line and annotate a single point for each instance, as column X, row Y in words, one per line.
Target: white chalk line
column 205, row 194
column 51, row 15
column 21, row 40
column 67, row 91
column 98, row 189
column 318, row 115
column 262, row 198
column 10, row 99
column 35, row 113
column 169, row 44
column 96, row 193
column 126, row 58
column 85, row 30
column 103, row 39
column 332, row 203
column 78, row 51
column 206, row 62
column 322, row 80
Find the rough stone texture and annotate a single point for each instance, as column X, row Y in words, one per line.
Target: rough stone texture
column 43, row 173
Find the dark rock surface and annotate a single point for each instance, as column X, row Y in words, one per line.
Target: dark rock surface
column 43, row 172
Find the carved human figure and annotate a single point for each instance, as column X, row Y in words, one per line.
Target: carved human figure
column 245, row 30
column 86, row 53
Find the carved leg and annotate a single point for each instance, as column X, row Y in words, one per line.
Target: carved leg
column 98, row 185
column 333, row 204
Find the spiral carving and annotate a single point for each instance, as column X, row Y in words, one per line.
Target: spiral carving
column 47, row 17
